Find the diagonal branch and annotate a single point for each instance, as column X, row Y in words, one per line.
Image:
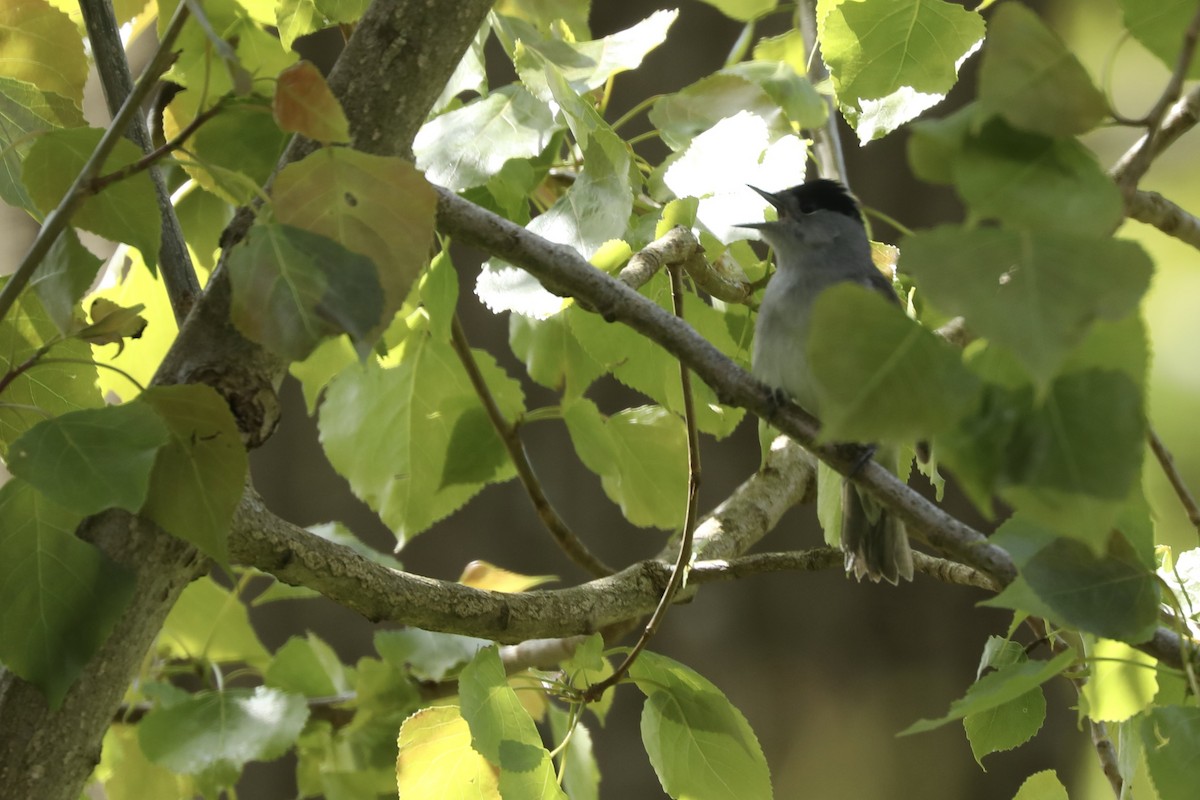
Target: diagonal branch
column 179, row 276
column 1154, row 209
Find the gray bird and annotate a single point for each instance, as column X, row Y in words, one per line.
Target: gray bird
column 819, row 240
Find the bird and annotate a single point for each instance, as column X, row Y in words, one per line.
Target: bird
column 819, row 240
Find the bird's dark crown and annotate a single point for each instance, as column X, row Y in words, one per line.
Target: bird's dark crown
column 820, row 195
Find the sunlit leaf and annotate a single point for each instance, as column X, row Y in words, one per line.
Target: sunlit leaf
column 436, row 758
column 483, row 575
column 41, row 46
column 209, row 623
column 26, row 110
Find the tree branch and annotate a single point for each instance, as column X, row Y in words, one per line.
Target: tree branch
column 175, row 264
column 60, row 217
column 1177, row 483
column 1154, row 209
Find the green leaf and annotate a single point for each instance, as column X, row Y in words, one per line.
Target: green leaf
column 307, row 666
column 1171, row 740
column 125, row 211
column 935, row 144
column 223, row 730
column 343, row 12
column 436, row 758
column 427, row 655
column 296, row 18
column 581, row 775
column 1035, row 293
column 208, row 623
column 1030, row 181
column 292, row 288
column 25, row 110
column 584, row 65
column 1005, row 726
column 997, row 688
column 66, row 384
column 891, row 61
column 304, row 104
column 338, row 533
column 378, row 206
column 640, row 455
column 1043, row 785
column 475, row 453
column 681, row 116
column 59, row 596
column 588, row 666
column 1159, row 25
column 237, row 149
column 1113, row 595
column 41, row 46
column 1123, row 682
column 93, row 459
column 643, row 365
column 881, row 376
column 396, row 463
column 743, row 10
column 468, row 146
column 200, row 474
column 1030, row 78
column 552, row 355
column 698, row 743
column 789, row 88
column 502, row 730
column 63, row 277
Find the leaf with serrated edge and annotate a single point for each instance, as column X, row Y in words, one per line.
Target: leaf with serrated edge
column 304, row 104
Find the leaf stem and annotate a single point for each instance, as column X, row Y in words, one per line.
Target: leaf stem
column 58, row 219
column 575, row 549
column 683, row 561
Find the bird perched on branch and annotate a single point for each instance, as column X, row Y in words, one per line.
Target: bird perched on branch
column 819, row 240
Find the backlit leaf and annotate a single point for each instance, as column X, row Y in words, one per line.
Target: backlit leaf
column 436, row 758
column 41, row 46
column 304, row 104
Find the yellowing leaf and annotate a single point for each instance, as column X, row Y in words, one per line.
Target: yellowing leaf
column 483, row 575
column 305, row 105
column 112, row 324
column 39, row 44
column 436, row 758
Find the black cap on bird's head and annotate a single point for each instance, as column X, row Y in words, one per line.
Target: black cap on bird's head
column 821, row 194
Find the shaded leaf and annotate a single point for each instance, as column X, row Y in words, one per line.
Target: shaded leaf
column 26, row 110
column 113, row 324
column 1035, row 293
column 1030, row 78
column 427, row 655
column 93, row 459
column 1159, row 25
column 292, row 288
column 378, row 206
column 997, row 688
column 1005, row 726
column 581, row 774
column 881, row 376
column 125, row 211
column 63, row 277
column 200, row 474
column 306, row 666
column 475, row 453
column 1171, row 740
column 1043, row 785
column 59, row 596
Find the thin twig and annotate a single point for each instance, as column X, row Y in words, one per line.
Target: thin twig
column 683, row 560
column 558, row 528
column 59, row 218
column 829, row 144
column 1134, row 164
column 1167, row 462
column 179, row 276
column 100, row 182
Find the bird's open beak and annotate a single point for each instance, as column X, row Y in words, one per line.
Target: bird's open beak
column 770, row 198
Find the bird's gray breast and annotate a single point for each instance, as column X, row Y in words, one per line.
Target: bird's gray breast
column 779, row 358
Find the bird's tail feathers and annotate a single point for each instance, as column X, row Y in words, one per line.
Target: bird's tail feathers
column 874, row 542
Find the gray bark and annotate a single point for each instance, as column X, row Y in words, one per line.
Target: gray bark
column 392, row 70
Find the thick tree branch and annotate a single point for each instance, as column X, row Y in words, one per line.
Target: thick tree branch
column 179, row 276
column 400, row 56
